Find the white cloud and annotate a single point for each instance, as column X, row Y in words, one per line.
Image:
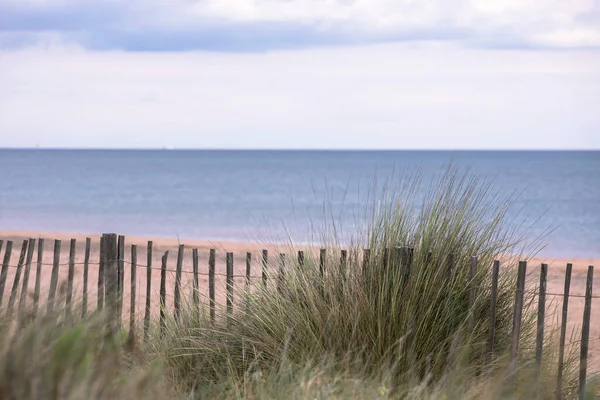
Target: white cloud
column 387, row 96
column 514, row 23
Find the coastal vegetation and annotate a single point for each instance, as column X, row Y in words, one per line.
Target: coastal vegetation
column 410, row 318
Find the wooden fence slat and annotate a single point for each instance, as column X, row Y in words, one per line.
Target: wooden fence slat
column 541, row 318
column 322, row 267
column 71, row 276
column 300, row 258
column 38, row 276
column 15, row 288
column 111, row 259
column 121, row 278
column 5, row 266
column 86, row 272
column 494, row 300
column 472, row 292
column 517, row 316
column 322, row 262
column 54, row 276
column 148, row 290
column 101, row 274
column 265, row 263
column 163, row 292
column 366, row 260
column 585, row 333
column 343, row 261
column 406, row 260
column 281, row 275
column 132, row 303
column 248, row 268
column 248, row 278
column 396, row 258
column 229, row 262
column 177, row 291
column 26, row 273
column 563, row 332
column 211, row 283
column 196, row 284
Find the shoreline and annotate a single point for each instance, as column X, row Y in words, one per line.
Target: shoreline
column 200, row 244
column 231, row 245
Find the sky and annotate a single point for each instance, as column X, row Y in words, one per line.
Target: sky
column 300, row 74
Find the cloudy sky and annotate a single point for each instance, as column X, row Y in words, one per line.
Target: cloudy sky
column 385, row 74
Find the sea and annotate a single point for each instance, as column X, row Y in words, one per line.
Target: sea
column 282, row 195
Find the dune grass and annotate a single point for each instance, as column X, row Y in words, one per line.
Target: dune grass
column 367, row 328
column 376, row 317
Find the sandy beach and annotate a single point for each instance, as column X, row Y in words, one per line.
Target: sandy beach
column 555, row 283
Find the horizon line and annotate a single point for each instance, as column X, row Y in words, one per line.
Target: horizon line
column 293, row 149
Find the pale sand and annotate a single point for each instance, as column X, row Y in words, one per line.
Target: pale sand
column 555, row 283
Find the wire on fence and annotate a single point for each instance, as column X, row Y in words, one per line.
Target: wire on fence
column 154, row 268
column 81, row 263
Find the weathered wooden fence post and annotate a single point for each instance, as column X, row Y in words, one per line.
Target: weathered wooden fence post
column 15, row 288
column 121, row 278
column 86, row 271
column 300, row 258
column 132, row 303
column 163, row 292
column 322, row 267
column 344, row 263
column 517, row 316
column 322, row 262
column 196, row 284
column 101, row 275
column 396, row 259
column 112, row 280
column 585, row 333
column 229, row 263
column 366, row 261
column 177, row 291
column 563, row 332
column 406, row 260
column 54, row 277
column 26, row 273
column 540, row 321
column 5, row 266
column 265, row 263
column 70, row 277
column 248, row 278
column 211, row 283
column 472, row 292
column 281, row 275
column 38, row 277
column 148, row 290
column 386, row 257
column 494, row 300
column 248, row 268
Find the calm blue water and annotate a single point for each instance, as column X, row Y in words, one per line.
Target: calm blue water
column 242, row 194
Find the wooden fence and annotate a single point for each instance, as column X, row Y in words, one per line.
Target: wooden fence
column 111, row 288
